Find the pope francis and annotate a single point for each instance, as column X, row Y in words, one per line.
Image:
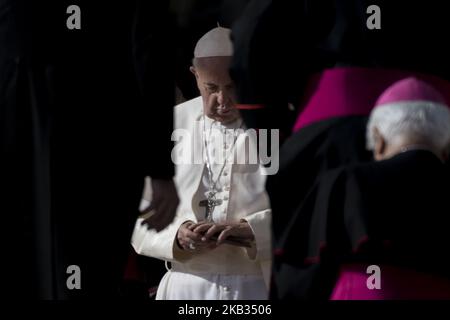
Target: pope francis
column 219, row 245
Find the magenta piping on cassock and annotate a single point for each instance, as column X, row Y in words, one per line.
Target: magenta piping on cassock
column 396, row 283
column 351, row 91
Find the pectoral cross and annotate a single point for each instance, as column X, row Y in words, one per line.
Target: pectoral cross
column 210, row 203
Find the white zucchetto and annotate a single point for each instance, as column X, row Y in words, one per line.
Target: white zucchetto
column 215, row 43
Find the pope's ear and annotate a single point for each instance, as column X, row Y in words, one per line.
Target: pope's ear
column 194, row 71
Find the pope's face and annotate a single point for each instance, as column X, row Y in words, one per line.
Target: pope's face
column 216, row 88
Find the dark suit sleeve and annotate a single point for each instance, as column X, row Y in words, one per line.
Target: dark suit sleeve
column 153, row 54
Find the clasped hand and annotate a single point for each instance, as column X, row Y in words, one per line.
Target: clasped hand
column 208, row 235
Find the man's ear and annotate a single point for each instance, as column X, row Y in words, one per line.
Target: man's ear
column 194, row 71
column 380, row 145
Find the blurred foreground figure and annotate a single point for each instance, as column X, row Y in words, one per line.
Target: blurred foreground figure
column 76, row 108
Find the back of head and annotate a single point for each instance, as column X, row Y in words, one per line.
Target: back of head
column 410, row 113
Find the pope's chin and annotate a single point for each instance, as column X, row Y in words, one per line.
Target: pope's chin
column 226, row 117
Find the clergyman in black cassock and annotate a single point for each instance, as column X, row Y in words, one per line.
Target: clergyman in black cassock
column 392, row 212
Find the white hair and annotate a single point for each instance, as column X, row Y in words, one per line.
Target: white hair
column 427, row 121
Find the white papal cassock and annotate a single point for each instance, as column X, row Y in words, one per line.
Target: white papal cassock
column 227, row 272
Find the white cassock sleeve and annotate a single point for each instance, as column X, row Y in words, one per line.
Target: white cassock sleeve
column 161, row 245
column 260, row 223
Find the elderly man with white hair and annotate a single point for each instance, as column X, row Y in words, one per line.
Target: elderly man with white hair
column 398, row 123
column 219, row 245
column 381, row 229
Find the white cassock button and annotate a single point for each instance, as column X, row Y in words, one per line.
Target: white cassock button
column 225, row 173
column 225, row 198
column 227, row 188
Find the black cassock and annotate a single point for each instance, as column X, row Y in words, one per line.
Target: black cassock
column 391, row 212
column 319, row 148
column 85, row 115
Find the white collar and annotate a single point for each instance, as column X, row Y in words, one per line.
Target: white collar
column 211, row 123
